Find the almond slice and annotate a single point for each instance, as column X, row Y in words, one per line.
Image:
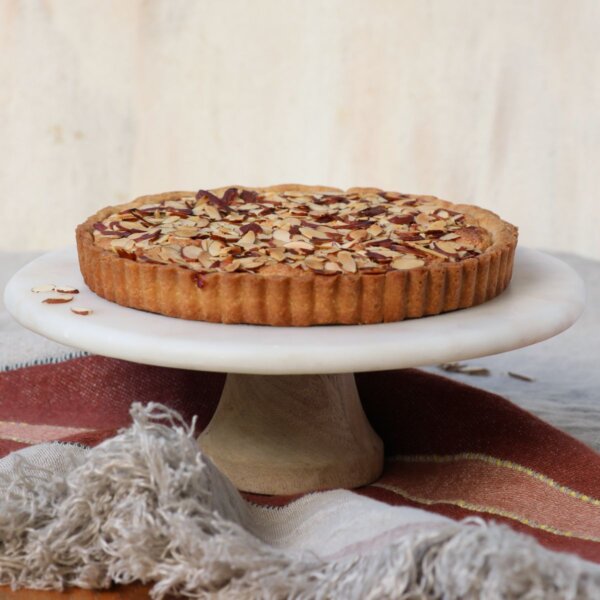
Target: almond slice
column 49, row 287
column 436, row 225
column 421, row 246
column 132, row 226
column 234, row 265
column 191, row 252
column 277, row 253
column 170, row 253
column 358, row 234
column 375, row 230
column 205, row 259
column 403, row 264
column 124, row 243
column 79, row 310
column 212, row 212
column 449, row 247
column 186, row 231
column 214, row 249
column 312, row 233
column 247, row 240
column 450, row 236
column 281, row 235
column 297, row 245
column 314, row 262
column 251, row 262
column 66, row 289
column 422, row 219
column 331, row 266
column 347, row 262
column 57, row 299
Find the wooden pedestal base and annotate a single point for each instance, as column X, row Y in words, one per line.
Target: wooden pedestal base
column 279, row 434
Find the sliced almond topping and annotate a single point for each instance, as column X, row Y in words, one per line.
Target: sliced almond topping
column 374, row 230
column 297, row 245
column 187, row 232
column 407, row 263
column 331, row 266
column 436, row 225
column 422, row 219
column 358, row 234
column 252, row 262
column 326, row 229
column 57, row 299
column 212, row 212
column 234, row 265
column 347, row 261
column 449, row 247
column 277, row 253
column 242, row 230
column 318, row 208
column 191, row 252
column 214, row 249
column 124, row 243
column 385, row 251
column 421, row 246
column 66, row 289
column 281, row 235
column 247, row 240
column 314, row 262
column 132, row 226
column 49, row 287
column 79, row 310
column 312, row 233
column 206, row 260
column 170, row 253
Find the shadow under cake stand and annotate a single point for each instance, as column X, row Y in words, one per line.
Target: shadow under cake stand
column 290, row 419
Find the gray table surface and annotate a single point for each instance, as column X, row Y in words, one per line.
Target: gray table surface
column 565, row 369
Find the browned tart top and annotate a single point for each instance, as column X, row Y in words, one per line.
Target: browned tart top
column 285, row 229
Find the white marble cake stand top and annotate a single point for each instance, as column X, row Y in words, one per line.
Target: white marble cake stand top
column 545, row 297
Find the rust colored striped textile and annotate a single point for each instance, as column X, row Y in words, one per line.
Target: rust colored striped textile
column 451, row 449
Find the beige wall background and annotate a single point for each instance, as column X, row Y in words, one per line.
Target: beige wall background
column 491, row 102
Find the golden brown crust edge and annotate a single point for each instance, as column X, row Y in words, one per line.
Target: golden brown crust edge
column 303, row 299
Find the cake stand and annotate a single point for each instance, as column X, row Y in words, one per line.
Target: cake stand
column 290, row 419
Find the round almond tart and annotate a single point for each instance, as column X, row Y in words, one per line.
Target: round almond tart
column 294, row 255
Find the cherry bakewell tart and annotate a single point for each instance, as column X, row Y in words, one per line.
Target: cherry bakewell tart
column 296, row 255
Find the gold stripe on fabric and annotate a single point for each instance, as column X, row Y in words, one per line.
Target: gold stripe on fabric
column 28, row 433
column 486, row 509
column 498, row 462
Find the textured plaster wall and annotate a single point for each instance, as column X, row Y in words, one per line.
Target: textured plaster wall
column 491, row 102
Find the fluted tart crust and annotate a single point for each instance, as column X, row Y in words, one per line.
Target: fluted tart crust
column 293, row 255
